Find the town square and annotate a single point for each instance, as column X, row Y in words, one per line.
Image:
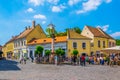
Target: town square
column 59, row 40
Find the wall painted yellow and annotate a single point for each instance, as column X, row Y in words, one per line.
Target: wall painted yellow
column 86, row 32
column 36, row 33
column 95, row 44
column 9, row 47
column 79, row 46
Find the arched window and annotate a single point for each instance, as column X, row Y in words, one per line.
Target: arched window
column 99, row 44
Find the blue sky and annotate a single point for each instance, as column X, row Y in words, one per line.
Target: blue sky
column 15, row 15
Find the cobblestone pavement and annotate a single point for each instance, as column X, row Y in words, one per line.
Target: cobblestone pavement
column 12, row 70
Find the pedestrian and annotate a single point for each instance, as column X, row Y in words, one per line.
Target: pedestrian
column 83, row 60
column 56, row 59
column 74, row 59
column 32, row 59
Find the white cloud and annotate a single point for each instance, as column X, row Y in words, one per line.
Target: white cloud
column 58, row 8
column 104, row 28
column 53, row 1
column 36, row 2
column 73, row 2
column 40, row 16
column 43, row 22
column 116, row 35
column 89, row 5
column 108, row 1
column 29, row 10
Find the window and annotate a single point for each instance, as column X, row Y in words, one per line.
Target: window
column 18, row 44
column 113, row 44
column 74, row 45
column 92, row 44
column 99, row 44
column 83, row 45
column 109, row 44
column 24, row 43
column 103, row 44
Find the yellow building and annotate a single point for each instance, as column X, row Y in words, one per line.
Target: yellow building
column 30, row 33
column 17, row 46
column 68, row 43
column 100, row 39
column 78, row 42
column 8, row 48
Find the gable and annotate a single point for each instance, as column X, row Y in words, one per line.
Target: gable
column 86, row 32
column 37, row 33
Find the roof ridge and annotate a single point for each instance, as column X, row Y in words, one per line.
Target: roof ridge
column 104, row 33
column 97, row 32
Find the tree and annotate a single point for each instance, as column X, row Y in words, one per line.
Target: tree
column 118, row 42
column 49, row 33
column 39, row 50
column 75, row 52
column 58, row 51
column 77, row 29
column 60, row 54
column 47, row 52
column 61, row 34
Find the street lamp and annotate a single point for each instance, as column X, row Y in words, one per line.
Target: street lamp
column 52, row 35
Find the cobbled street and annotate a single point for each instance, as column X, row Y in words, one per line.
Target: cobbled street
column 12, row 70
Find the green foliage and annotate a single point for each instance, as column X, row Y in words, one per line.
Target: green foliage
column 49, row 32
column 118, row 42
column 61, row 34
column 62, row 52
column 39, row 50
column 59, row 51
column 77, row 29
column 47, row 52
column 75, row 52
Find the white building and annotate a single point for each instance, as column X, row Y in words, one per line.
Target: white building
column 60, row 42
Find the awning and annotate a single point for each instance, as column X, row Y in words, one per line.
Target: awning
column 115, row 49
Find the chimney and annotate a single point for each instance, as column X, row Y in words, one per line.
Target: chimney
column 12, row 36
column 33, row 24
column 26, row 27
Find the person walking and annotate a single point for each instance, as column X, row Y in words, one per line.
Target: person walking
column 56, row 59
column 83, row 60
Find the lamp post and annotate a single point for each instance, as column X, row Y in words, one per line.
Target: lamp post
column 52, row 35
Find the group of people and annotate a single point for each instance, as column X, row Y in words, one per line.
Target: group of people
column 112, row 59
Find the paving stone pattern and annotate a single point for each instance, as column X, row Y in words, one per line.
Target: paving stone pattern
column 12, row 70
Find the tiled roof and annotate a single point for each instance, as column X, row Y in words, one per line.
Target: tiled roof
column 73, row 35
column 25, row 33
column 97, row 32
column 108, row 36
column 12, row 39
column 48, row 40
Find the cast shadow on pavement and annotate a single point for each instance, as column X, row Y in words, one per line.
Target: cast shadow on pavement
column 9, row 65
